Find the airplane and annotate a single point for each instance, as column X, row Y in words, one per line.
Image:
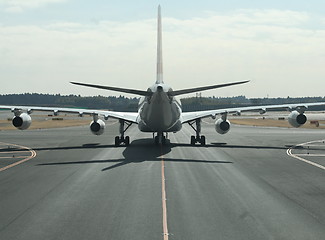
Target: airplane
column 159, row 110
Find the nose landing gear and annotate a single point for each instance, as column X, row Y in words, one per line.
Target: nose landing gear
column 160, row 139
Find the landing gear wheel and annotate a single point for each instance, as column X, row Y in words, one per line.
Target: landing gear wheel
column 197, row 138
column 127, row 141
column 121, row 139
column 160, row 139
column 117, row 141
column 163, row 140
column 202, row 140
column 193, row 140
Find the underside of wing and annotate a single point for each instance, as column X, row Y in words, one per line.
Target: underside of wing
column 116, row 89
column 198, row 89
column 300, row 107
column 126, row 116
column 22, row 118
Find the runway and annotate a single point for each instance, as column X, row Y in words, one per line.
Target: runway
column 242, row 185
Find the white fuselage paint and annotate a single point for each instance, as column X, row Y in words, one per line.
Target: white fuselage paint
column 159, row 112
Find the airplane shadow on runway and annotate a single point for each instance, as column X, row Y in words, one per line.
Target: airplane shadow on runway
column 140, row 150
column 225, row 145
column 148, row 143
column 143, row 150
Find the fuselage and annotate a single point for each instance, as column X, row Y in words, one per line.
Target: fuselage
column 159, row 112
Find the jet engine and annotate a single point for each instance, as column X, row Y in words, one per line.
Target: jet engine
column 297, row 119
column 22, row 121
column 97, row 127
column 222, row 126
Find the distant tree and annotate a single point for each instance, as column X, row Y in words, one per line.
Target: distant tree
column 123, row 103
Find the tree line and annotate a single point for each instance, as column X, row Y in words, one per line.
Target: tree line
column 122, row 103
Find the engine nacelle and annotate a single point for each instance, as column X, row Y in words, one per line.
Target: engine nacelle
column 22, row 122
column 297, row 119
column 97, row 127
column 221, row 126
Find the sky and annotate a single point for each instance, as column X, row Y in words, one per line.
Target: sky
column 279, row 45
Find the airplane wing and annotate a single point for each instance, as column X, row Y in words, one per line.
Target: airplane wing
column 198, row 89
column 117, row 89
column 127, row 116
column 190, row 116
column 170, row 93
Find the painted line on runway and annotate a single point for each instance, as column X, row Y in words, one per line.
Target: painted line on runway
column 13, row 151
column 32, row 152
column 311, row 155
column 297, row 156
column 163, row 197
column 314, row 145
column 14, row 157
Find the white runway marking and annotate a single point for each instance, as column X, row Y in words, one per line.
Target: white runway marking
column 299, row 156
column 311, row 155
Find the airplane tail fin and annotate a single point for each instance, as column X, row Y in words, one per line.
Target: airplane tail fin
column 159, row 50
column 159, row 75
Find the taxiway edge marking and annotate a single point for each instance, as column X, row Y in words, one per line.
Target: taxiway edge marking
column 289, row 153
column 33, row 154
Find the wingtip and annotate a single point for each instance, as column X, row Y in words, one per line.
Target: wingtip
column 77, row 83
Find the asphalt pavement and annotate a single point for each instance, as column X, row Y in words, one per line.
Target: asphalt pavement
column 242, row 185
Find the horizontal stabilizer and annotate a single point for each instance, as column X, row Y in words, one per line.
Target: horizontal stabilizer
column 125, row 90
column 198, row 89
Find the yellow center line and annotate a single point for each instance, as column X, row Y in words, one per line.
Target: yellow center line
column 163, row 197
column 33, row 154
column 10, row 157
column 14, row 151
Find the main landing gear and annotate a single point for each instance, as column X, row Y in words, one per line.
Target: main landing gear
column 197, row 138
column 123, row 139
column 160, row 139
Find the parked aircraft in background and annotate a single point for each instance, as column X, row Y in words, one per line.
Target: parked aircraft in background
column 159, row 110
